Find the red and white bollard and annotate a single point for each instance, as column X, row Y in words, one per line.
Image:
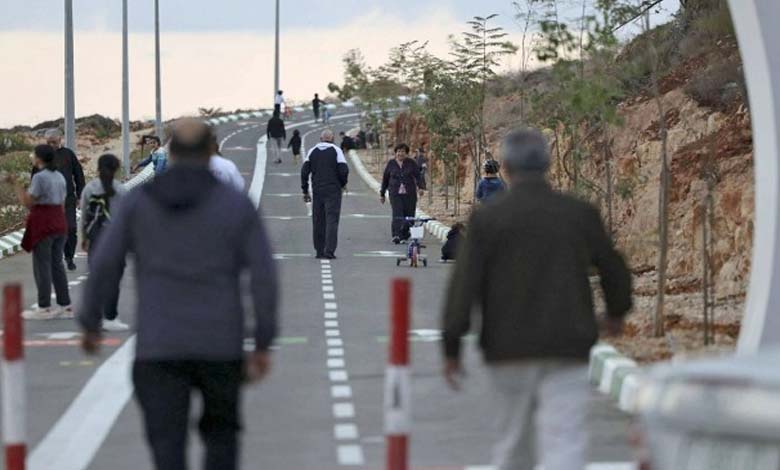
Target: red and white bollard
column 398, row 394
column 14, row 403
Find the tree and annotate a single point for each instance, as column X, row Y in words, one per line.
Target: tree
column 476, row 56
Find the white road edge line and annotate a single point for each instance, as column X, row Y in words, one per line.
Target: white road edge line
column 73, row 441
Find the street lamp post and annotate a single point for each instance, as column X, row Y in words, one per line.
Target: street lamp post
column 276, row 68
column 158, row 87
column 125, row 94
column 70, row 103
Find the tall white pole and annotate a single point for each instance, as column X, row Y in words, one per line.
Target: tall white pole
column 70, row 103
column 276, row 68
column 158, row 87
column 125, row 94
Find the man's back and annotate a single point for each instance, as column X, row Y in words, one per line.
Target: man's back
column 327, row 166
column 528, row 258
column 191, row 238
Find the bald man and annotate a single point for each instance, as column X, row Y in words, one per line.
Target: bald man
column 190, row 315
column 327, row 167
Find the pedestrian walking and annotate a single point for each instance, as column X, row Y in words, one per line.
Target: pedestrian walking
column 491, row 184
column 45, row 233
column 223, row 169
column 402, row 179
column 295, row 144
column 329, row 172
column 277, row 134
column 99, row 200
column 526, row 264
column 189, row 311
column 158, row 157
column 315, row 106
column 325, row 114
column 68, row 164
column 278, row 102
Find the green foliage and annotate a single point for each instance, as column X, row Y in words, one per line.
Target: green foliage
column 17, row 164
column 12, row 142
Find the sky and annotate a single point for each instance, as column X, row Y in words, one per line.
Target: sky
column 214, row 53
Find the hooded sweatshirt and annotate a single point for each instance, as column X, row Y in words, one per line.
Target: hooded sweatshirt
column 191, row 238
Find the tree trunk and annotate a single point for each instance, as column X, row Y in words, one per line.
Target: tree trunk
column 608, row 166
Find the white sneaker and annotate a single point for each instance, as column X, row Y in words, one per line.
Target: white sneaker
column 48, row 313
column 66, row 312
column 115, row 325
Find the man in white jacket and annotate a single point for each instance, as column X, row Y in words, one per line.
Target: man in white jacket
column 223, row 169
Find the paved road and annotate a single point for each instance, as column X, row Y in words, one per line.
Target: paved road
column 321, row 408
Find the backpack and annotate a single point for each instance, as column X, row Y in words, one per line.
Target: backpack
column 97, row 217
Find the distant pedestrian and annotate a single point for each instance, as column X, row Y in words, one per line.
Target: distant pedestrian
column 295, row 144
column 449, row 251
column 68, row 164
column 45, row 234
column 401, row 179
column 329, row 172
column 99, row 200
column 158, row 156
column 190, row 311
column 277, row 134
column 315, row 106
column 325, row 114
column 525, row 269
column 491, row 184
column 223, row 169
column 278, row 102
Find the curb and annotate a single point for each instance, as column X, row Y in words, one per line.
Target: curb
column 615, row 375
column 436, row 228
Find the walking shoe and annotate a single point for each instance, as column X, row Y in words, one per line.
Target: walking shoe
column 330, row 256
column 319, row 256
column 115, row 325
column 71, row 264
column 65, row 312
column 48, row 313
column 396, row 240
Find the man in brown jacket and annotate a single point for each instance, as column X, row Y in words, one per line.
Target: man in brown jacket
column 525, row 266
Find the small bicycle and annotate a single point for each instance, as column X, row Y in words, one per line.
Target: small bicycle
column 414, row 253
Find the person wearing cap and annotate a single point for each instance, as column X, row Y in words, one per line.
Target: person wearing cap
column 524, row 269
column 190, row 313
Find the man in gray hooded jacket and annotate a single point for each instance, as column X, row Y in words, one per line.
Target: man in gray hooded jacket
column 191, row 238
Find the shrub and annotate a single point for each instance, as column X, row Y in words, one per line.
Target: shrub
column 718, row 87
column 12, row 142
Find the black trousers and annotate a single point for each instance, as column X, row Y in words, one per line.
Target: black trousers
column 316, row 114
column 70, row 216
column 163, row 390
column 48, row 269
column 325, row 213
column 111, row 300
column 404, row 205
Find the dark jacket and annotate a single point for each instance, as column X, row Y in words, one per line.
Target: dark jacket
column 315, row 104
column 450, row 248
column 68, row 164
column 189, row 298
column 408, row 174
column 276, row 128
column 525, row 265
column 347, row 144
column 295, row 143
column 489, row 188
column 328, row 168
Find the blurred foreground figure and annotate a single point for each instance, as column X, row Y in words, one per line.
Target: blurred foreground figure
column 190, row 316
column 525, row 266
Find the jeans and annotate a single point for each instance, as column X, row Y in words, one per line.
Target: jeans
column 70, row 216
column 48, row 268
column 404, row 205
column 542, row 405
column 326, row 212
column 276, row 144
column 163, row 389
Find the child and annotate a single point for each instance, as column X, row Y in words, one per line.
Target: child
column 490, row 185
column 295, row 143
column 450, row 249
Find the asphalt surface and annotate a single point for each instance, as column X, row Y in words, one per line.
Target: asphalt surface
column 297, row 420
